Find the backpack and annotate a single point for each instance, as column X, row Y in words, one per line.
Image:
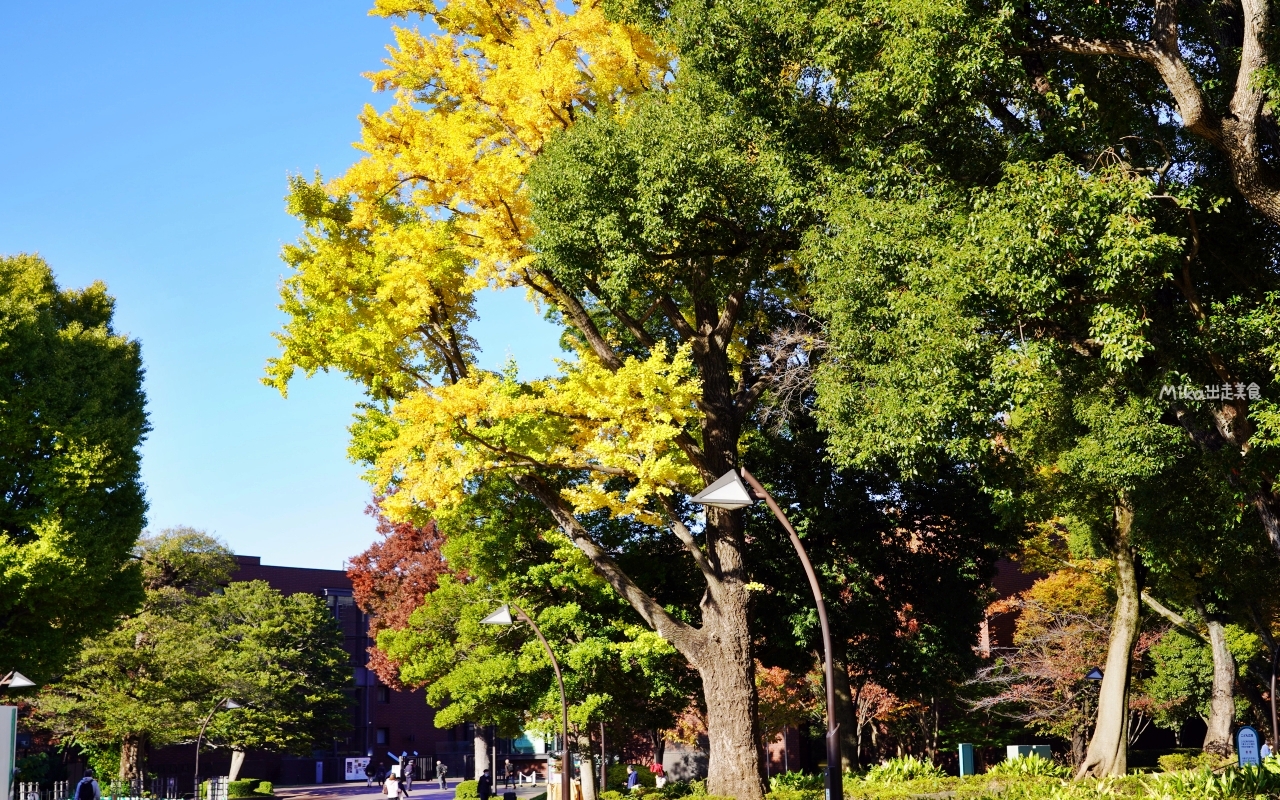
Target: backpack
column 85, row 790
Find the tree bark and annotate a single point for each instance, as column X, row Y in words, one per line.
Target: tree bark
column 727, row 669
column 1222, row 707
column 846, row 718
column 1108, row 749
column 237, row 761
column 133, row 757
column 586, row 771
column 481, row 747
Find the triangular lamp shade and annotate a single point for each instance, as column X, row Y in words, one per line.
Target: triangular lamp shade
column 727, row 492
column 1095, row 674
column 20, row 681
column 500, row 617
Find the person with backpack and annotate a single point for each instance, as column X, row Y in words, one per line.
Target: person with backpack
column 442, row 769
column 88, row 788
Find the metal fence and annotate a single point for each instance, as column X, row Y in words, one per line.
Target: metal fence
column 157, row 788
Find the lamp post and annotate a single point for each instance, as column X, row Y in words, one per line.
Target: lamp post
column 503, row 617
column 729, row 492
column 9, row 730
column 225, row 702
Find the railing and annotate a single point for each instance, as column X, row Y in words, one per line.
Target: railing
column 158, row 788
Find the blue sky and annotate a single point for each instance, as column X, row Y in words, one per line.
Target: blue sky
column 147, row 144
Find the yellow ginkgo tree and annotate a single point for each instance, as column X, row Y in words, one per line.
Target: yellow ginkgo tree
column 560, row 152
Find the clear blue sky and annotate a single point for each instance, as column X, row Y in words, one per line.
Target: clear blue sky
column 147, row 144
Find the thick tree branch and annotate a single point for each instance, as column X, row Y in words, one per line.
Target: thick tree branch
column 684, row 637
column 686, row 538
column 546, row 286
column 1177, row 619
column 672, row 312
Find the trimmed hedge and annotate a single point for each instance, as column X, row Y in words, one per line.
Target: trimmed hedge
column 249, row 788
column 468, row 790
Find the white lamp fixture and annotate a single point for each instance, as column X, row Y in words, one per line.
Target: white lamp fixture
column 18, row 681
column 728, row 492
column 500, row 617
column 229, row 703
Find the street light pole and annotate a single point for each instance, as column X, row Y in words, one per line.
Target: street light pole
column 228, row 703
column 730, row 493
column 503, row 617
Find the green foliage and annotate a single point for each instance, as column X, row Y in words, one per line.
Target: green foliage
column 903, row 768
column 796, row 780
column 249, row 788
column 34, row 768
column 507, row 544
column 159, row 672
column 1195, row 759
column 1245, row 782
column 1031, row 765
column 611, row 795
column 617, row 775
column 71, row 501
column 467, row 790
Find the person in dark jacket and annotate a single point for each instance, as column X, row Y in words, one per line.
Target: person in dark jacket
column 484, row 787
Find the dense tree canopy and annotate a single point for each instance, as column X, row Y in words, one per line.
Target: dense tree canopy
column 151, row 680
column 71, row 502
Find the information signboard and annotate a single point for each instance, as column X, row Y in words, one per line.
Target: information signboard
column 1248, row 747
column 355, row 768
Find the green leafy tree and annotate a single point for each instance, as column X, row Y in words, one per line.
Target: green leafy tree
column 71, row 502
column 503, row 546
column 151, row 680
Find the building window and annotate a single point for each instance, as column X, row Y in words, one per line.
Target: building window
column 383, row 736
column 384, row 694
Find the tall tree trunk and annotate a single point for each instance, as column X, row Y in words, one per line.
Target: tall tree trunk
column 237, row 761
column 1222, row 707
column 481, row 747
column 726, row 665
column 1108, row 749
column 133, row 757
column 586, row 771
column 845, row 717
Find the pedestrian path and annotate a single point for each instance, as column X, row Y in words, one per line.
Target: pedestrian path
column 356, row 790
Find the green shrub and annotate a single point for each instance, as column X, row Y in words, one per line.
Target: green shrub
column 1177, row 762
column 611, row 795
column 796, row 794
column 796, row 780
column 906, row 768
column 249, row 787
column 674, row 790
column 617, row 776
column 467, row 790
column 1032, row 765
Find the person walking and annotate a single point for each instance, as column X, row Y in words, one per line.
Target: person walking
column 442, row 769
column 633, row 778
column 88, row 788
column 1265, row 751
column 484, row 786
column 407, row 772
column 370, row 773
column 506, row 774
column 391, row 786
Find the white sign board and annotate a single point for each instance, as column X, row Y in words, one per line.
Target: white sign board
column 355, row 768
column 8, row 747
column 1247, row 745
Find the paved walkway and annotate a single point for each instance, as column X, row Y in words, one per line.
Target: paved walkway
column 356, row 790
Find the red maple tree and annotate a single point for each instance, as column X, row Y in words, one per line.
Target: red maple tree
column 390, row 580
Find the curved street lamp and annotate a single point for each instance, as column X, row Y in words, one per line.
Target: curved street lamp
column 226, row 703
column 503, row 617
column 730, row 493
